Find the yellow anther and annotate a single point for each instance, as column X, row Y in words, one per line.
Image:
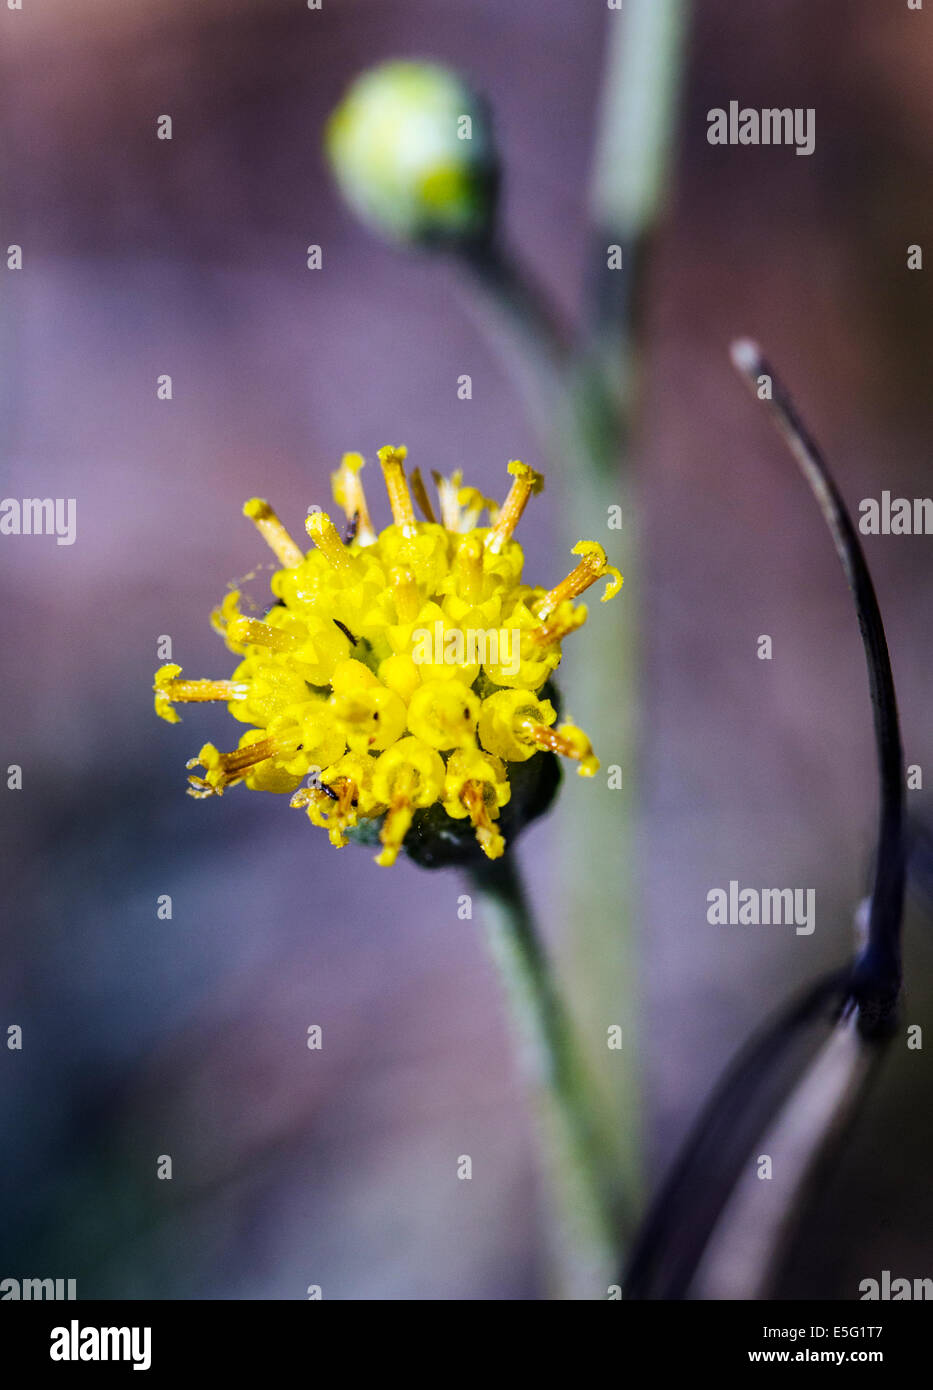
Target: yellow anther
column 527, row 482
column 228, row 610
column 348, row 493
column 592, row 566
column 327, row 539
column 392, row 459
column 273, row 533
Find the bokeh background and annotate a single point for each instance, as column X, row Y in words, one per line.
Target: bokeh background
column 187, row 1037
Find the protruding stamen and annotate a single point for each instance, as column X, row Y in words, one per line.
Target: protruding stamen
column 556, row 630
column 273, row 533
column 568, row 742
column 242, row 758
column 527, row 482
column 421, row 496
column 327, row 539
column 399, row 817
column 396, row 826
column 448, row 490
column 592, row 566
column 349, row 494
column 169, row 690
column 250, row 632
column 224, row 769
column 196, row 691
column 490, row 840
column 393, row 467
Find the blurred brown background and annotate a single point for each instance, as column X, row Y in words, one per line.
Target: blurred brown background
column 188, row 257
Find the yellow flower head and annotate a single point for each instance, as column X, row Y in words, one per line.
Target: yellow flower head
column 400, row 685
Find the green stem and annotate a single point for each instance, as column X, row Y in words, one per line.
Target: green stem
column 597, row 822
column 639, row 104
column 525, row 331
column 632, row 159
column 584, row 403
column 581, row 1161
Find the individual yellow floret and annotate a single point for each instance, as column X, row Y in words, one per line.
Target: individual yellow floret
column 476, row 785
column 444, row 714
column 408, row 775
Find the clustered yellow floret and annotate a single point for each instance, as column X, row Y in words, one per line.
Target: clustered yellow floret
column 344, row 694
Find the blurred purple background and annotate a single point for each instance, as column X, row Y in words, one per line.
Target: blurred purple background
column 144, row 1037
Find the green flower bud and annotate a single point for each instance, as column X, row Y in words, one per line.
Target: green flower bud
column 412, row 151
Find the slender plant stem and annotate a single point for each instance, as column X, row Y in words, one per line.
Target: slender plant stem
column 644, row 59
column 526, row 331
column 581, row 1161
column 598, row 822
column 639, row 106
column 582, row 400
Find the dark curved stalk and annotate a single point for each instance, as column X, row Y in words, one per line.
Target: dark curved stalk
column 876, row 977
column 758, row 1082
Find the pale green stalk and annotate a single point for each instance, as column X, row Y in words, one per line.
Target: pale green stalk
column 600, row 684
column 590, row 399
column 580, row 1161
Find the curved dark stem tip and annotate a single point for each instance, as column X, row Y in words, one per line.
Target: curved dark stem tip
column 876, row 976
